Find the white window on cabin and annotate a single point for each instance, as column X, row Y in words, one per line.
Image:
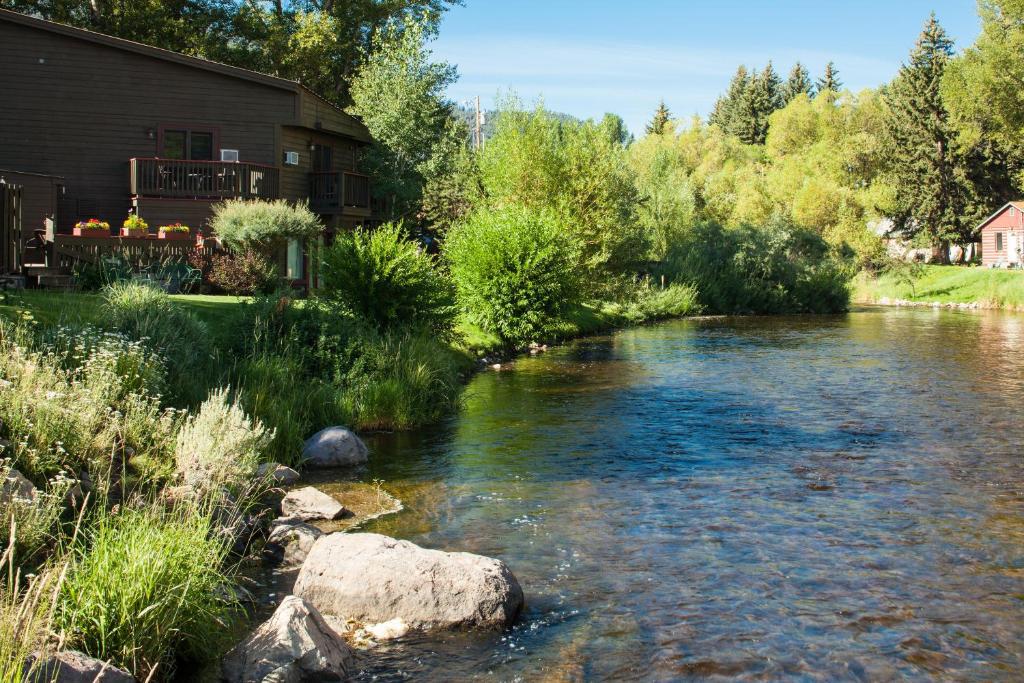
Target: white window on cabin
column 295, row 270
column 1013, row 210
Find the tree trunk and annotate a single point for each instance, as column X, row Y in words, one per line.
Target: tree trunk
column 940, row 252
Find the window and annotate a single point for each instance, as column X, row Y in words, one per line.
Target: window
column 323, row 159
column 180, row 143
column 295, row 271
column 999, row 241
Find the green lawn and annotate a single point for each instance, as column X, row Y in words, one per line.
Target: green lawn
column 48, row 307
column 946, row 284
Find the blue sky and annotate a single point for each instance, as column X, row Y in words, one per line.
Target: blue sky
column 587, row 57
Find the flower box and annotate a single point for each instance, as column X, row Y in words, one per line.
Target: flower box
column 173, row 235
column 90, row 232
column 134, row 232
column 93, row 227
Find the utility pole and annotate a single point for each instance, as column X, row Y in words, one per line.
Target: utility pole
column 478, row 133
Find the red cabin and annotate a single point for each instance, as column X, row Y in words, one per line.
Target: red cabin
column 1002, row 237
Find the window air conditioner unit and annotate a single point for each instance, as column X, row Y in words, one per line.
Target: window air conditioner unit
column 291, row 158
column 229, row 155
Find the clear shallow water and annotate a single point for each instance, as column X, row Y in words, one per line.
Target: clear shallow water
column 818, row 498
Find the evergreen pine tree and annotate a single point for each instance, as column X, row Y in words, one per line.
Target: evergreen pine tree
column 662, row 116
column 798, row 83
column 762, row 97
column 725, row 113
column 829, row 81
column 929, row 177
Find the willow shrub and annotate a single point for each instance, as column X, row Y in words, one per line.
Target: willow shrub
column 516, row 271
column 146, row 588
column 771, row 270
column 387, row 280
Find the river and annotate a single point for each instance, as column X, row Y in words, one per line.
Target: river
column 818, row 497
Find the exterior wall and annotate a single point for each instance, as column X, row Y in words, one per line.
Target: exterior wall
column 40, row 198
column 295, row 179
column 81, row 110
column 1009, row 220
column 157, row 211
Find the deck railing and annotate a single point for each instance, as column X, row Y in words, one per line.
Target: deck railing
column 334, row 191
column 185, row 179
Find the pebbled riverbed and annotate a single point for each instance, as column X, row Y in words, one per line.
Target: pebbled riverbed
column 822, row 498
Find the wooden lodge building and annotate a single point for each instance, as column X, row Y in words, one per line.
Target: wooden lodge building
column 93, row 126
column 1002, row 237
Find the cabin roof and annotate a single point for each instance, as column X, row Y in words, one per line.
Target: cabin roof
column 1017, row 204
column 172, row 56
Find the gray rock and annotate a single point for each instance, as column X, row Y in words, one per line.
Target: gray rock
column 334, row 447
column 15, row 485
column 294, row 645
column 309, row 503
column 374, row 579
column 290, row 541
column 279, row 474
column 74, row 667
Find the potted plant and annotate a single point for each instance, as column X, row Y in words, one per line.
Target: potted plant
column 134, row 226
column 93, row 227
column 177, row 231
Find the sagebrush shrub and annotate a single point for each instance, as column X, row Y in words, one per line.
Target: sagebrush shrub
column 220, row 446
column 256, row 224
column 387, row 280
column 516, row 271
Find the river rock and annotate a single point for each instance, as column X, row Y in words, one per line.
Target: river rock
column 70, row 666
column 294, row 645
column 277, row 473
column 16, row 486
column 290, row 541
column 334, row 447
column 309, row 503
column 374, row 579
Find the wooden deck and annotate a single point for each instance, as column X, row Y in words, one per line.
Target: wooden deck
column 179, row 179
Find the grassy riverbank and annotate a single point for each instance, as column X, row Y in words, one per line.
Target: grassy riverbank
column 988, row 287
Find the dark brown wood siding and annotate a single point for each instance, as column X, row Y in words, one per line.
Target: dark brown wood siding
column 295, row 179
column 81, row 110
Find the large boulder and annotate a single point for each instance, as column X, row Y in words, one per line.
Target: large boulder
column 15, row 486
column 309, row 503
column 334, row 447
column 290, row 541
column 70, row 666
column 293, row 646
column 277, row 473
column 373, row 579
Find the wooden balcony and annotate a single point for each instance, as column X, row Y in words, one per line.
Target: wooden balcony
column 210, row 180
column 344, row 192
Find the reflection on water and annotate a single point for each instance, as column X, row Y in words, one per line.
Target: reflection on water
column 814, row 497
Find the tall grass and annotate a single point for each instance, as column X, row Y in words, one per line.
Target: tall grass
column 146, row 586
column 146, row 313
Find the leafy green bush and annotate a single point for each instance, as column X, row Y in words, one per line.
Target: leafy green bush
column 245, row 273
column 385, row 279
column 146, row 313
column 241, row 224
column 515, row 270
column 146, row 587
column 220, row 446
column 775, row 269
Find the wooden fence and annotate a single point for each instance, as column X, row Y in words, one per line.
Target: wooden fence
column 139, row 253
column 10, row 228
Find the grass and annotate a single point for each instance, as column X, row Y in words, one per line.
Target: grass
column 146, row 586
column 988, row 287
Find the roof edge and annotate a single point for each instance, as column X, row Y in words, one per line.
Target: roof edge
column 1016, row 203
